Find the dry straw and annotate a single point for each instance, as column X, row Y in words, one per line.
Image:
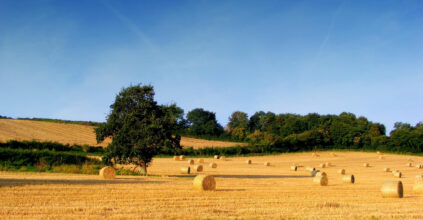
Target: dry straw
column 348, row 179
column 381, row 157
column 248, row 161
column 418, row 184
column 392, row 189
column 267, row 163
column 409, row 164
column 409, row 159
column 386, row 169
column 222, row 158
column 366, row 165
column 191, row 162
column 315, row 155
column 322, row 165
column 200, row 161
column 182, row 157
column 320, row 180
column 294, row 168
column 107, row 173
column 314, row 172
column 186, row 170
column 175, row 157
column 379, row 153
column 204, row 183
column 213, row 165
column 419, row 166
column 320, row 173
column 333, row 154
column 198, row 168
column 216, row 157
column 328, row 164
column 341, row 171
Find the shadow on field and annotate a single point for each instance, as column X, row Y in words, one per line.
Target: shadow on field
column 245, row 176
column 230, row 190
column 21, row 182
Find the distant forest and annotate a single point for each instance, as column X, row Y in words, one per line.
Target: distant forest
column 293, row 132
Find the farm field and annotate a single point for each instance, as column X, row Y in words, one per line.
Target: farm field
column 66, row 133
column 243, row 191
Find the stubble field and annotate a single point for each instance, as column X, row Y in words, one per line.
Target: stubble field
column 243, row 191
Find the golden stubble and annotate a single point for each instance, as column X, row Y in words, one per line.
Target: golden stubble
column 246, row 191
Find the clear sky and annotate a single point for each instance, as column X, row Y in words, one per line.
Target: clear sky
column 68, row 59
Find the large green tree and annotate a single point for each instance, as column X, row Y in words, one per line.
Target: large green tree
column 203, row 122
column 139, row 127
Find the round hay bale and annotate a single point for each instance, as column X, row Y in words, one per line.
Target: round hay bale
column 248, row 161
column 409, row 164
column 320, row 180
column 204, row 182
column 294, row 168
column 191, row 162
column 348, row 179
column 186, row 170
column 200, row 160
column 314, row 172
column 381, row 157
column 419, row 166
column 398, row 174
column 322, row 165
column 366, row 165
column 333, row 154
column 175, row 157
column 107, row 173
column 182, row 157
column 328, row 164
column 222, row 158
column 198, row 168
column 386, row 169
column 392, row 189
column 311, row 169
column 216, row 157
column 379, row 152
column 213, row 165
column 418, row 184
column 341, row 171
column 267, row 163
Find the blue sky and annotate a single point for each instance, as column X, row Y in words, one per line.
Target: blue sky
column 68, row 59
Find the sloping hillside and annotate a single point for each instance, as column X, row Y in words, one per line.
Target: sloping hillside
column 66, row 133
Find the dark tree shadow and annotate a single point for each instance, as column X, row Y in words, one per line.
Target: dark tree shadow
column 244, row 176
column 21, row 182
column 230, row 190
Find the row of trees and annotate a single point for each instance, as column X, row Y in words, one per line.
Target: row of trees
column 140, row 129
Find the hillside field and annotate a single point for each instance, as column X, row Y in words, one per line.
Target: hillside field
column 243, row 191
column 65, row 133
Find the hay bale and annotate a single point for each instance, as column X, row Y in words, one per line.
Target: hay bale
column 204, row 182
column 366, row 164
column 198, row 168
column 107, row 173
column 328, row 164
column 320, row 173
column 213, row 165
column 315, row 155
column 314, row 172
column 200, row 160
column 320, row 180
column 341, row 171
column 381, row 157
column 186, row 170
column 322, row 165
column 222, row 158
column 175, row 157
column 379, row 153
column 294, row 168
column 216, row 157
column 348, row 179
column 333, row 154
column 248, row 161
column 409, row 164
column 386, row 169
column 182, row 157
column 311, row 169
column 191, row 162
column 392, row 189
column 267, row 163
column 397, row 174
column 419, row 166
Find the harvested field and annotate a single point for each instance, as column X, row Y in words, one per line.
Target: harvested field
column 247, row 191
column 66, row 133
